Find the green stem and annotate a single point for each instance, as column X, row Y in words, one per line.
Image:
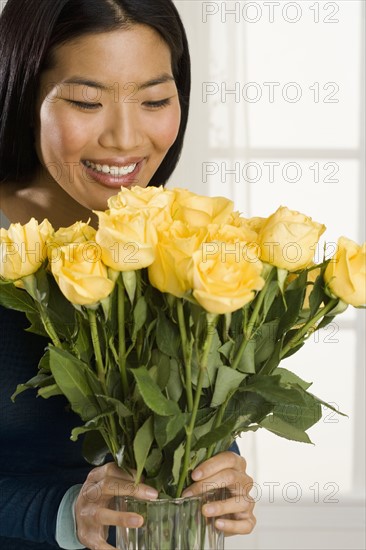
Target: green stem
column 248, row 331
column 96, row 346
column 310, row 324
column 139, row 336
column 111, row 430
column 187, row 354
column 49, row 328
column 121, row 337
column 197, row 397
column 217, row 422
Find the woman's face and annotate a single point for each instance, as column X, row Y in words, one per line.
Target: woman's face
column 107, row 113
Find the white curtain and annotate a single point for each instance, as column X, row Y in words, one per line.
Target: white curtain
column 277, row 118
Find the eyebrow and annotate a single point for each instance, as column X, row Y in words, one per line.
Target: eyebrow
column 80, row 81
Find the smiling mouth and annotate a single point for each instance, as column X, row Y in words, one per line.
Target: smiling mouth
column 110, row 170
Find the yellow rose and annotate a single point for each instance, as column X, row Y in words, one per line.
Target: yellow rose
column 79, row 232
column 126, row 238
column 23, row 248
column 80, row 273
column 288, row 239
column 172, row 267
column 198, row 210
column 233, row 236
column 142, row 197
column 256, row 223
column 345, row 274
column 221, row 284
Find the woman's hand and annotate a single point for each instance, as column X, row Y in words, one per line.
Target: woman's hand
column 226, row 470
column 91, row 510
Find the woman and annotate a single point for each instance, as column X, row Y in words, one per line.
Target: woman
column 94, row 95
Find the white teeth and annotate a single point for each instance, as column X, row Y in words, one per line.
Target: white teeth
column 112, row 170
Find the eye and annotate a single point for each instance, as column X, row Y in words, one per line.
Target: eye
column 84, row 105
column 157, row 104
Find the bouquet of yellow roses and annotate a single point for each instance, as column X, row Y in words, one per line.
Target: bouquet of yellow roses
column 168, row 323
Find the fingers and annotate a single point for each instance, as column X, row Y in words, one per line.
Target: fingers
column 107, row 517
column 234, row 505
column 109, row 481
column 235, row 527
column 218, row 463
column 92, row 513
column 226, row 470
column 237, row 481
column 100, row 544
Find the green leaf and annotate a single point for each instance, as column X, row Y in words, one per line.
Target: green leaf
column 174, row 387
column 316, row 296
column 153, row 462
column 227, row 380
column 266, row 338
column 160, row 371
column 227, row 348
column 42, row 379
column 152, row 394
column 36, row 325
column 83, row 343
column 77, row 382
column 220, row 432
column 95, row 448
column 213, row 362
column 269, row 297
column 273, row 360
column 114, row 383
column 177, row 463
column 203, row 428
column 76, row 432
column 289, row 377
column 91, row 425
column 247, row 360
column 142, row 444
column 167, row 427
column 277, row 426
column 271, row 388
column 328, row 405
column 130, row 283
column 44, row 363
column 49, row 391
column 281, row 278
column 139, row 316
column 248, row 404
column 12, row 297
column 294, row 299
column 167, row 336
column 106, row 402
column 301, row 416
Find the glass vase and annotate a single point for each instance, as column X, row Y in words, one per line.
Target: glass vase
column 176, row 524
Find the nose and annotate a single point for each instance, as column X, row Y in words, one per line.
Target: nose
column 122, row 129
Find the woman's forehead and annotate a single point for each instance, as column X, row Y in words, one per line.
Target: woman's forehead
column 135, row 54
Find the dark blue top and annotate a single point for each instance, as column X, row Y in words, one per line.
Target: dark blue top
column 38, row 461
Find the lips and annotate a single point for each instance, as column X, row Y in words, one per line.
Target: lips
column 114, row 173
column 112, row 170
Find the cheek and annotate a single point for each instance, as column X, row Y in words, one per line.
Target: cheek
column 60, row 134
column 167, row 129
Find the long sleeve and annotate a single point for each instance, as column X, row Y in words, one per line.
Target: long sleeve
column 38, row 461
column 28, row 508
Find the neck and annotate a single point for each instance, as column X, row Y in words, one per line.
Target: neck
column 41, row 198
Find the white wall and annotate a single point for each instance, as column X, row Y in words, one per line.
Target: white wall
column 308, row 497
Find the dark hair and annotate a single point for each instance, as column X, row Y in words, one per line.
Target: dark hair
column 31, row 29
